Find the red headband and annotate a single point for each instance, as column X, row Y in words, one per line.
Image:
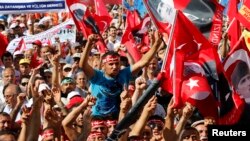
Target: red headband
column 111, row 122
column 111, row 58
column 97, row 123
column 47, row 133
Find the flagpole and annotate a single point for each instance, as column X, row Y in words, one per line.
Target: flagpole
column 229, row 26
column 168, row 43
column 174, row 73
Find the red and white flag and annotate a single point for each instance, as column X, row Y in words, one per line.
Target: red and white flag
column 102, row 16
column 190, row 53
column 82, row 17
column 236, row 66
column 234, row 30
column 197, row 91
column 4, row 43
column 21, row 46
column 243, row 14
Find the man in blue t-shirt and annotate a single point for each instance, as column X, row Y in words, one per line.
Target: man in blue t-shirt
column 108, row 83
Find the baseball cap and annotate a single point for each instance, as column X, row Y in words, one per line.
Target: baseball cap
column 42, row 87
column 67, row 80
column 47, row 70
column 73, row 98
column 77, row 55
column 24, row 61
column 37, row 42
column 13, row 25
column 62, row 61
column 197, row 123
column 67, row 66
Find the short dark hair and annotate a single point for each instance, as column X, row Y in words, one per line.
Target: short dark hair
column 8, row 132
column 4, row 114
column 112, row 27
column 18, row 89
column 2, row 27
column 7, row 54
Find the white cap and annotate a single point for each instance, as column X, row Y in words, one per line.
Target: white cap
column 67, row 66
column 42, row 87
column 13, row 25
column 194, row 124
column 47, row 70
column 72, row 94
column 22, row 25
column 77, row 55
column 62, row 61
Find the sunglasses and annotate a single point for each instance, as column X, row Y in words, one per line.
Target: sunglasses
column 154, row 125
column 24, row 83
column 67, row 69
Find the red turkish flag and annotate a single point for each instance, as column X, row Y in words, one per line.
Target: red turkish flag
column 100, row 8
column 4, row 43
column 189, row 41
column 102, row 16
column 195, row 55
column 133, row 19
column 243, row 14
column 82, row 17
column 197, row 91
column 21, row 46
column 129, row 41
column 236, row 66
column 234, row 31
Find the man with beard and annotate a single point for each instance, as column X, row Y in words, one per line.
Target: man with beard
column 108, row 83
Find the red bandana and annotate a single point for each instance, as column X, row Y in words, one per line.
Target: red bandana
column 98, row 123
column 111, row 58
column 111, row 122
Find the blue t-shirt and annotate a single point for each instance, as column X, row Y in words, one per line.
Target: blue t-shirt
column 107, row 90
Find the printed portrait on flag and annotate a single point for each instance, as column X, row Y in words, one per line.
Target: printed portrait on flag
column 162, row 7
column 241, row 79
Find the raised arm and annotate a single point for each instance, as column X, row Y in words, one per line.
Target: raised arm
column 149, row 55
column 35, row 118
column 25, row 124
column 148, row 110
column 186, row 114
column 71, row 117
column 140, row 85
column 169, row 132
column 88, row 70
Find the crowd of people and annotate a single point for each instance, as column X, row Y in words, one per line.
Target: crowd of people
column 78, row 93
